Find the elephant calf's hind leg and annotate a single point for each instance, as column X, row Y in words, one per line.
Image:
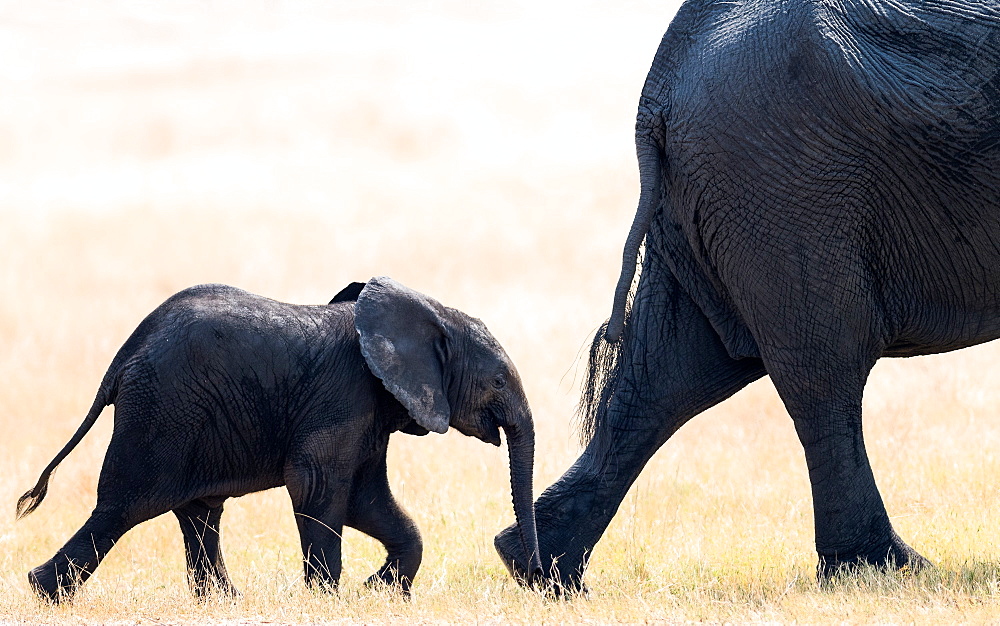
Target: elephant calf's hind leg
column 59, row 578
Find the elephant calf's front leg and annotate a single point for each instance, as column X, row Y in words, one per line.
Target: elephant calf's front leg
column 319, row 499
column 375, row 512
column 202, row 545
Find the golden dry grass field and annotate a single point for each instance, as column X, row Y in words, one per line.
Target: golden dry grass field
column 481, row 153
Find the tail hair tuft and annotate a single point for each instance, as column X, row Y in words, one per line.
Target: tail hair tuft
column 27, row 503
column 604, row 371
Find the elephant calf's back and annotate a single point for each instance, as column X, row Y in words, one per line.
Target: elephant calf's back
column 214, row 390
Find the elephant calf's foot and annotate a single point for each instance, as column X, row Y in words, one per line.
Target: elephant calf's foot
column 895, row 555
column 400, row 567
column 215, row 588
column 390, row 580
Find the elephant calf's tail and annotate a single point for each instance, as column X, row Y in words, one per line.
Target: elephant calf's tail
column 34, row 496
column 649, row 138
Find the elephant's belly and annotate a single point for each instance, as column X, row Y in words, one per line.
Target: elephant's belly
column 237, row 488
column 206, row 488
column 944, row 303
column 952, row 331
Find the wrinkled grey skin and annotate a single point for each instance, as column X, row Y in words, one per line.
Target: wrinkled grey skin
column 219, row 393
column 820, row 188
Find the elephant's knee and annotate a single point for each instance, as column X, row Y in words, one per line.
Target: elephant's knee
column 408, row 552
column 413, row 538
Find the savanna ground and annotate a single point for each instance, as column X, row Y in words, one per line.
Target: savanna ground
column 481, row 154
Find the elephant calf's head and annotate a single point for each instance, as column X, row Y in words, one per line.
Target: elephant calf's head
column 447, row 370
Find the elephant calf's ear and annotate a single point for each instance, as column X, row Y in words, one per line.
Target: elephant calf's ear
column 402, row 339
column 413, row 428
column 349, row 293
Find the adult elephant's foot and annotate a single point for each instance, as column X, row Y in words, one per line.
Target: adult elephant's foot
column 894, row 554
column 569, row 523
column 563, row 574
column 55, row 581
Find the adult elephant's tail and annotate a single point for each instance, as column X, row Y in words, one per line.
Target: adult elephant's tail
column 608, row 349
column 649, row 141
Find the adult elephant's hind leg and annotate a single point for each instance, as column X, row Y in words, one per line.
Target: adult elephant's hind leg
column 672, row 366
column 820, row 377
column 199, row 522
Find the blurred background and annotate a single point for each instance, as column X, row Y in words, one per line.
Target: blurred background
column 480, row 152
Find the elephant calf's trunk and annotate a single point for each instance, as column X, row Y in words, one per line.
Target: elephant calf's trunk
column 521, row 446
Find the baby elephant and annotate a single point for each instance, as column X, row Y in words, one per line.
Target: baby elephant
column 220, row 393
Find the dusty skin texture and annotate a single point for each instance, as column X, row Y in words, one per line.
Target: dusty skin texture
column 292, row 148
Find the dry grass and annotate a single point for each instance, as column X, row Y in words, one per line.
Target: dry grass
column 482, row 156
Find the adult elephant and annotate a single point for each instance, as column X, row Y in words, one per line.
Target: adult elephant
column 819, row 188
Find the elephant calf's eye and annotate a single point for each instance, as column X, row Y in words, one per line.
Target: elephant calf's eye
column 499, row 381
